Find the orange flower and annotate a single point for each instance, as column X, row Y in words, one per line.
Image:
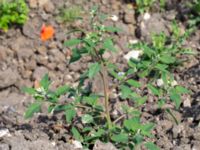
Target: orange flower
column 46, row 33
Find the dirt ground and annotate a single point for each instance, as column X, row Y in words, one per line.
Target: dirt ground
column 24, row 59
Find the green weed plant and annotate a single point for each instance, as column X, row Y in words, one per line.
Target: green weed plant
column 127, row 131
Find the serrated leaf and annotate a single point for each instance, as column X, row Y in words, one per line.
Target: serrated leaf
column 87, row 119
column 134, row 83
column 141, row 100
column 132, row 124
column 90, row 100
column 151, row 146
column 62, row 90
column 76, row 55
column 153, row 89
column 122, row 137
column 108, row 44
column 45, row 82
column 72, row 42
column 33, row 108
column 94, row 69
column 30, row 91
column 125, row 91
column 146, row 129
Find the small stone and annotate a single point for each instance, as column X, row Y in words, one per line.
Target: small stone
column 41, row 3
column 4, row 146
column 196, row 145
column 159, row 82
column 8, row 77
column 42, row 60
column 103, row 146
column 49, row 7
column 133, row 54
column 129, row 17
column 32, row 3
column 4, row 132
column 31, row 28
column 114, row 18
column 146, row 16
column 76, row 67
column 176, row 130
column 183, row 147
column 187, row 102
column 42, row 50
column 134, row 41
column 39, row 73
column 77, row 144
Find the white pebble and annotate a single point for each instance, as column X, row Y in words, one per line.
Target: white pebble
column 159, row 82
column 133, row 54
column 4, row 132
column 133, row 41
column 146, row 16
column 77, row 144
column 114, row 18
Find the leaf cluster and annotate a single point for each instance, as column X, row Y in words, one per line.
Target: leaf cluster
column 13, row 12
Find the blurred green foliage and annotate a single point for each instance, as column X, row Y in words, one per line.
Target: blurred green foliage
column 12, row 12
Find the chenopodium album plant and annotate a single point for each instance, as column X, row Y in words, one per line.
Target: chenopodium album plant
column 92, row 110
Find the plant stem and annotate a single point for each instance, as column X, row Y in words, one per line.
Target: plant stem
column 106, row 94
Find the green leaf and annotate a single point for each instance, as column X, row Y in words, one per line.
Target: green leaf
column 108, row 44
column 138, row 139
column 33, row 108
column 87, row 119
column 112, row 29
column 122, row 137
column 125, row 91
column 62, row 90
column 146, row 129
column 76, row 55
column 161, row 103
column 72, row 42
column 161, row 67
column 153, row 89
column 132, row 124
column 94, row 69
column 151, row 146
column 133, row 83
column 45, row 82
column 51, row 97
column 175, row 97
column 70, row 113
column 30, row 91
column 140, row 100
column 182, row 90
column 76, row 134
column 91, row 100
column 167, row 59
